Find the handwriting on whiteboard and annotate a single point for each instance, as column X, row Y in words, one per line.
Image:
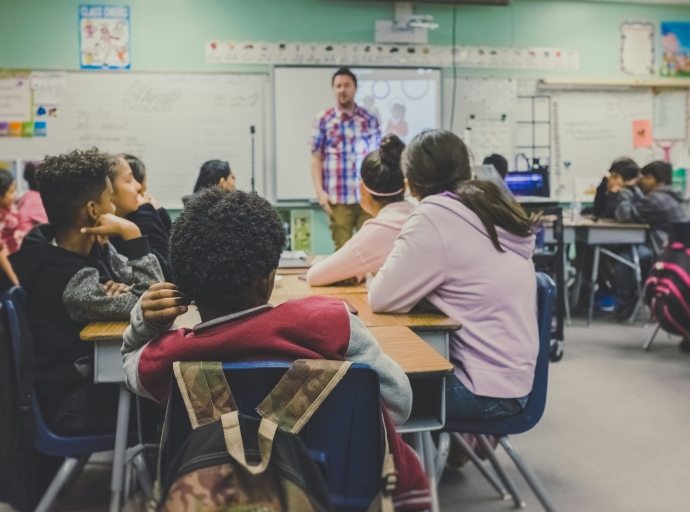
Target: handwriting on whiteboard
column 15, row 99
column 489, row 137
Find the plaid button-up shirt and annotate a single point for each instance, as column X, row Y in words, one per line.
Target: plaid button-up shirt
column 343, row 140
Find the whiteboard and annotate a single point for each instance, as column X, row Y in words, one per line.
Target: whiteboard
column 173, row 122
column 590, row 130
column 484, row 115
column 301, row 93
column 671, row 115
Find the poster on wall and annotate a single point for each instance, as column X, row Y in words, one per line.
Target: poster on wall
column 104, row 37
column 675, row 42
column 637, row 48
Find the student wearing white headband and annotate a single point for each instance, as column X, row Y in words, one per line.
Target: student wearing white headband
column 382, row 190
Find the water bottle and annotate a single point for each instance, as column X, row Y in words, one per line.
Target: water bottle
column 576, row 209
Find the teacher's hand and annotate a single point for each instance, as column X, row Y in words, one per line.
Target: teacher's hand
column 324, row 201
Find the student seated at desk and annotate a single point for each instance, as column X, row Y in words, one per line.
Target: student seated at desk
column 467, row 250
column 139, row 173
column 30, row 206
column 11, row 234
column 654, row 203
column 499, row 163
column 382, row 189
column 225, row 251
column 213, row 173
column 623, row 174
column 130, row 205
column 71, row 280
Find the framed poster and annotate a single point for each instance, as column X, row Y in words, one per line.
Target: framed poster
column 675, row 42
column 637, row 48
column 104, row 37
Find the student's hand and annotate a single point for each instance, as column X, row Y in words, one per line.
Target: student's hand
column 145, row 198
column 162, row 304
column 614, row 183
column 111, row 225
column 324, row 201
column 113, row 289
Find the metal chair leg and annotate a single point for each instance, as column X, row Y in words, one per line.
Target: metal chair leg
column 442, row 453
column 647, row 344
column 529, row 475
column 66, row 476
column 638, row 281
column 595, row 274
column 517, row 499
column 480, row 466
column 143, row 475
column 430, row 466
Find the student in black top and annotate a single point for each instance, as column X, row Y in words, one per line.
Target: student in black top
column 128, row 204
column 139, row 173
column 213, row 173
column 73, row 276
column 500, row 163
column 623, row 174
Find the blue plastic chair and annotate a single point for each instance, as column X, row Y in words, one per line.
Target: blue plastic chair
column 528, row 418
column 344, row 436
column 75, row 449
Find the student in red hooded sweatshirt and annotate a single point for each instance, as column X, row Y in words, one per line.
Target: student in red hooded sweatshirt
column 225, row 248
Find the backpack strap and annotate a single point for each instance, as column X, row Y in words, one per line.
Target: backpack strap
column 383, row 501
column 301, row 391
column 205, row 391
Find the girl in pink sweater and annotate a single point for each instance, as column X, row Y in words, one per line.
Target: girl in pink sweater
column 467, row 250
column 382, row 189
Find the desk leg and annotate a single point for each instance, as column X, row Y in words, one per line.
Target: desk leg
column 638, row 280
column 595, row 274
column 121, row 435
column 430, row 466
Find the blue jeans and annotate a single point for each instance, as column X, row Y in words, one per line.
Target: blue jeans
column 462, row 404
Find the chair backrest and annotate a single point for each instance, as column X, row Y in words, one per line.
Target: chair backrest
column 530, row 416
column 345, row 435
column 45, row 441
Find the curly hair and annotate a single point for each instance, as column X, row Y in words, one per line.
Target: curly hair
column 70, row 181
column 222, row 243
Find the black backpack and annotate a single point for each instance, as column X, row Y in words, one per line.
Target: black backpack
column 24, row 473
column 667, row 290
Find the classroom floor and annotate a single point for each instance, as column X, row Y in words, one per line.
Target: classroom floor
column 613, row 437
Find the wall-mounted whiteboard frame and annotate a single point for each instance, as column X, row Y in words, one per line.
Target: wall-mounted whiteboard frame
column 301, row 190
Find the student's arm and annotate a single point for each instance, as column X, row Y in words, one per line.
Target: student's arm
column 654, row 208
column 345, row 263
column 152, row 315
column 137, row 265
column 87, row 300
column 626, row 211
column 599, row 207
column 317, row 179
column 151, row 226
column 7, row 266
column 415, row 267
column 395, row 386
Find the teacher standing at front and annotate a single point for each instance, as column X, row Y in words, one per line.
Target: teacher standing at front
column 341, row 137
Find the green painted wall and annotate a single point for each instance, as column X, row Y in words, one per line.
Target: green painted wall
column 169, row 35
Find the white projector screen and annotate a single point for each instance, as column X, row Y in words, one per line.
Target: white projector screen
column 301, row 93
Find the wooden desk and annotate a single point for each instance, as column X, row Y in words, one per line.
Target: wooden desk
column 293, row 286
column 406, row 348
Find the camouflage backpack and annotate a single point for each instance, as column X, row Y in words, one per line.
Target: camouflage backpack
column 234, row 462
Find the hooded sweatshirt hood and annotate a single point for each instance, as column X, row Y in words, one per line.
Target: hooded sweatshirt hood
column 523, row 246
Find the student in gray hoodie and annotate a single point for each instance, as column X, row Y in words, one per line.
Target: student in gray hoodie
column 652, row 202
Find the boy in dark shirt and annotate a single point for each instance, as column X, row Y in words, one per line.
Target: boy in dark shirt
column 73, row 276
column 654, row 203
column 623, row 173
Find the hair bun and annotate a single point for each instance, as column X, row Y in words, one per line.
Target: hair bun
column 391, row 150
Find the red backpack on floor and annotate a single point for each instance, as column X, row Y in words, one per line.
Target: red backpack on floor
column 667, row 291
